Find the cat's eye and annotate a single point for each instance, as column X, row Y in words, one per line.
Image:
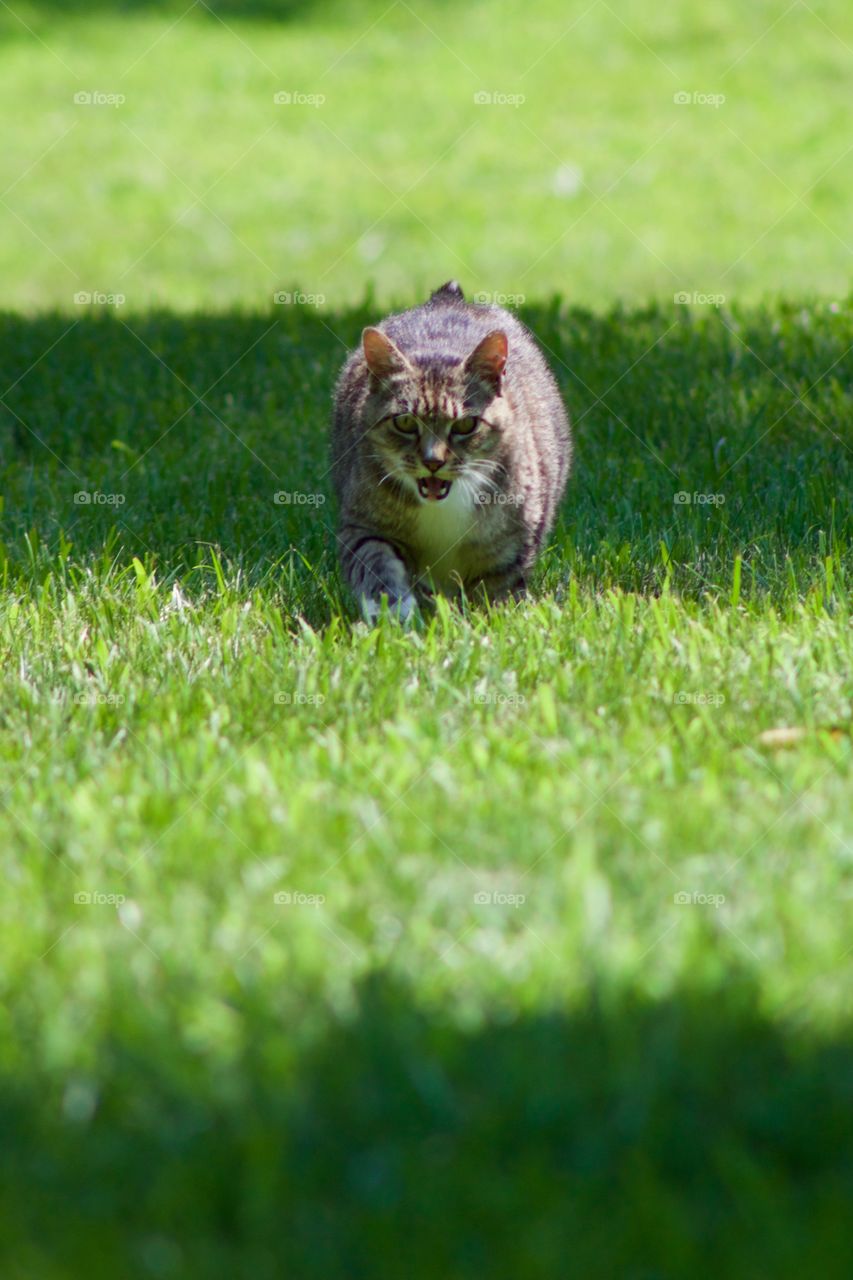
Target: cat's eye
column 405, row 423
column 464, row 426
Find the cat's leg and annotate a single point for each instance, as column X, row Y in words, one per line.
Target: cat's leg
column 374, row 569
column 502, row 584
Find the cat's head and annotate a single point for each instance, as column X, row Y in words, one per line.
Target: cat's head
column 435, row 421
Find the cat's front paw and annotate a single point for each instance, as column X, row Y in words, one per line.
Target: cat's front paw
column 405, row 608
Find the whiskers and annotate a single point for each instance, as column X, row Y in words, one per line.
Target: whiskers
column 389, row 475
column 479, row 478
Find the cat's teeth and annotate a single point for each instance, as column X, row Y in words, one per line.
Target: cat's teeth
column 433, row 488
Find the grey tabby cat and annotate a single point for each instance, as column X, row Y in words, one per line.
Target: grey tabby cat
column 450, row 453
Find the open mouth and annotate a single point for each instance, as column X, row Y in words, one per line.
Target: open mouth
column 432, row 488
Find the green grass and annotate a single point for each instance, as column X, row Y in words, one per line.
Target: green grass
column 203, row 1081
column 199, row 191
column 334, row 952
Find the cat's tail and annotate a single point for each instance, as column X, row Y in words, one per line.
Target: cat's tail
column 449, row 292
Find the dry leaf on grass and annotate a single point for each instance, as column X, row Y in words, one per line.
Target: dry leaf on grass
column 790, row 736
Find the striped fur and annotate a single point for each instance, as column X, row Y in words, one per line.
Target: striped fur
column 437, row 368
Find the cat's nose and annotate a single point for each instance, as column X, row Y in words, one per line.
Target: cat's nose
column 433, row 463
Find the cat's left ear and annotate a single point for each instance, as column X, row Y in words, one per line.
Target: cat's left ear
column 488, row 359
column 384, row 358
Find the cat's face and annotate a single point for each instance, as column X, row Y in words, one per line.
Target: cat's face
column 437, row 424
column 427, row 454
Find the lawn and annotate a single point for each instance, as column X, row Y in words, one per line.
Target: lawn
column 514, row 943
column 180, row 181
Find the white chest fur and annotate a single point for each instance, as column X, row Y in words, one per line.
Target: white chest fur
column 441, row 532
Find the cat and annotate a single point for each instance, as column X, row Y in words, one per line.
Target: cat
column 450, row 452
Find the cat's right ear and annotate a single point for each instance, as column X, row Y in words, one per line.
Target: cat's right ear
column 383, row 358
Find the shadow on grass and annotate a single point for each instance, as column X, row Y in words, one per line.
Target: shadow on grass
column 628, row 1138
column 699, row 436
column 268, row 10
